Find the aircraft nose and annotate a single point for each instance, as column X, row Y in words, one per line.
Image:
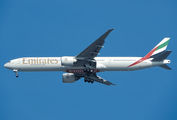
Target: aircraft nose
column 7, row 65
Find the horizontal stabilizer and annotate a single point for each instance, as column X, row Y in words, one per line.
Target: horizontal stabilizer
column 162, row 56
column 165, row 67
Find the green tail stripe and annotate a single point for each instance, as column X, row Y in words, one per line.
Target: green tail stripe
column 163, row 45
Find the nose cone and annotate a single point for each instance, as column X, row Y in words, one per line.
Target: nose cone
column 7, row 65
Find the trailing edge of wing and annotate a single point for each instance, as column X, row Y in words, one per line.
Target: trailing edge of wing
column 100, row 80
column 93, row 50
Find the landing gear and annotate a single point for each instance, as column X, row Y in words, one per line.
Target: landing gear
column 88, row 80
column 88, row 70
column 88, row 66
column 85, row 80
column 16, row 72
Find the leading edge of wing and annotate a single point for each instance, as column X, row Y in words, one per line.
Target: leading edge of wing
column 93, row 50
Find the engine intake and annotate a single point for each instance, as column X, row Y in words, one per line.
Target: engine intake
column 69, row 78
column 68, row 61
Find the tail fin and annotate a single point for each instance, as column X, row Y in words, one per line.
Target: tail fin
column 162, row 56
column 159, row 48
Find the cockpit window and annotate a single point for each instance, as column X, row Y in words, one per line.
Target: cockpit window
column 9, row 61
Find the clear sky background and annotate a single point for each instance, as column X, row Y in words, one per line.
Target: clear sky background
column 39, row 28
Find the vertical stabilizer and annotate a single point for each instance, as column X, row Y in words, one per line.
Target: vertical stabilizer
column 162, row 56
column 161, row 47
column 156, row 51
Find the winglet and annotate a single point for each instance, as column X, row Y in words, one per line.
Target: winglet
column 112, row 29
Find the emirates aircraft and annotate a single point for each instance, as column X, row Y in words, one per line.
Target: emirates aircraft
column 86, row 64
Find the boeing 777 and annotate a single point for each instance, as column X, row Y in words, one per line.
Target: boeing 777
column 86, row 64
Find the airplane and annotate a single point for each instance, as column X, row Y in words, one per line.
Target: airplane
column 86, row 64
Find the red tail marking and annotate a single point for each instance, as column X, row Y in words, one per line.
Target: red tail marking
column 145, row 57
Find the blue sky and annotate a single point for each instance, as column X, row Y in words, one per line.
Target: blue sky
column 59, row 28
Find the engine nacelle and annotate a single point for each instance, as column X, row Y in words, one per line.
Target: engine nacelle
column 69, row 78
column 68, row 61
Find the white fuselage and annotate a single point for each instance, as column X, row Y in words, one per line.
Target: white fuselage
column 102, row 64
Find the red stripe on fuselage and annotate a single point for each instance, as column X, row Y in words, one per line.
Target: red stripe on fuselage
column 80, row 70
column 145, row 57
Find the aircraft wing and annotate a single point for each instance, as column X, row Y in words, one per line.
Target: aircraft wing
column 100, row 80
column 93, row 50
column 86, row 58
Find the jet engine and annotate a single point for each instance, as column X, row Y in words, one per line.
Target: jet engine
column 68, row 61
column 69, row 78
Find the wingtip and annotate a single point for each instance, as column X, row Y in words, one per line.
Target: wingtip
column 111, row 29
column 113, row 84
